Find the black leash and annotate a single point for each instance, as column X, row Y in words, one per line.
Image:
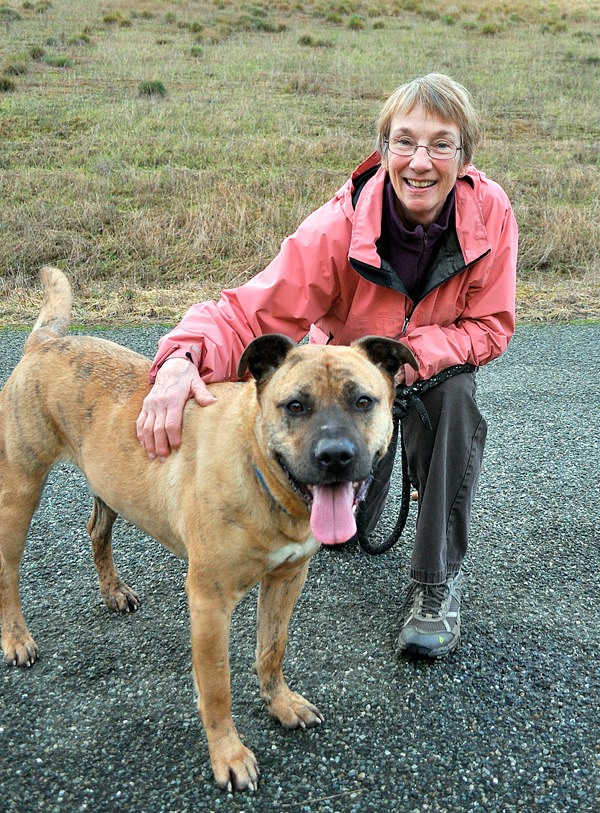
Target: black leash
column 406, row 397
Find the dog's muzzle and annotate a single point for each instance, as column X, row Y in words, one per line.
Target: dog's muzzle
column 332, row 503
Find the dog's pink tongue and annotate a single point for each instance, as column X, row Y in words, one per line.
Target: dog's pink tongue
column 332, row 518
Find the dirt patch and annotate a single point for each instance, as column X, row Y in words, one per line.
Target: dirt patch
column 544, row 300
column 538, row 300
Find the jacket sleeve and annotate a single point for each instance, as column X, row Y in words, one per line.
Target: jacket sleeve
column 296, row 289
column 486, row 325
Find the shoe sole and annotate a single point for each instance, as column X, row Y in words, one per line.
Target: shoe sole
column 423, row 651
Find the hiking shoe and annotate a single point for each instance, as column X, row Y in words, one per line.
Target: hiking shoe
column 431, row 618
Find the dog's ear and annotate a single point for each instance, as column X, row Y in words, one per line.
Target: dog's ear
column 264, row 355
column 388, row 354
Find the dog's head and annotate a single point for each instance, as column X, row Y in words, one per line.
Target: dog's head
column 325, row 420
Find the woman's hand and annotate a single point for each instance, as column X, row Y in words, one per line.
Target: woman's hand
column 400, row 377
column 159, row 423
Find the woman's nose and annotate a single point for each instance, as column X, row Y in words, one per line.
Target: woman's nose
column 420, row 158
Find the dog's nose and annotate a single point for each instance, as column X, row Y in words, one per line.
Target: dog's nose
column 335, row 454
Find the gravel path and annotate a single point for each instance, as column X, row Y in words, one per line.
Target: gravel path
column 106, row 720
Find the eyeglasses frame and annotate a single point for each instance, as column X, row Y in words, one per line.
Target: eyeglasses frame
column 427, row 147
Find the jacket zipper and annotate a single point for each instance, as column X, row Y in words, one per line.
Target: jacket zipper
column 435, row 287
column 409, row 309
column 406, row 321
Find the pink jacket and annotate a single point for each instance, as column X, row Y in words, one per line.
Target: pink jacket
column 329, row 280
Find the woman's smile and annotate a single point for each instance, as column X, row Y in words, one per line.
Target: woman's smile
column 419, row 184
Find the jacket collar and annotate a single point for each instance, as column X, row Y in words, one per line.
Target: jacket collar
column 459, row 253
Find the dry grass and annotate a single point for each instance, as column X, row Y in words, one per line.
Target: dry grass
column 152, row 202
column 540, row 298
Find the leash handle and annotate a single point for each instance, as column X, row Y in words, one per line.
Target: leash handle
column 363, row 539
column 406, row 397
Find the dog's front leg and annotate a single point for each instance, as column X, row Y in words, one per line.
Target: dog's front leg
column 277, row 597
column 234, row 765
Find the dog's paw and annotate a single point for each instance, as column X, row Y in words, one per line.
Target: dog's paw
column 21, row 652
column 121, row 598
column 234, row 766
column 294, row 711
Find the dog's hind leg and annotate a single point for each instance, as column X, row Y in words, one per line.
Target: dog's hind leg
column 116, row 594
column 19, row 497
column 277, row 597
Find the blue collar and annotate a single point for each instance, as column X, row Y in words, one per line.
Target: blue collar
column 261, row 480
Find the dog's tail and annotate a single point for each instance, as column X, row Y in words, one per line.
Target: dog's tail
column 55, row 314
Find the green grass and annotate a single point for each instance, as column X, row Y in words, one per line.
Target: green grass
column 139, row 196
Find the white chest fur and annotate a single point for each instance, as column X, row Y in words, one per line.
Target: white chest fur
column 293, row 552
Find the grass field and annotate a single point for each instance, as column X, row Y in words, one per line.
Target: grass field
column 158, row 151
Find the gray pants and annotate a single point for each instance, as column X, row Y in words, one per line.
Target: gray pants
column 444, row 465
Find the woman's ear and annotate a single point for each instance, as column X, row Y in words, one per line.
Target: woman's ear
column 463, row 169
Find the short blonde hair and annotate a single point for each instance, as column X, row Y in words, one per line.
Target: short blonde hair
column 440, row 96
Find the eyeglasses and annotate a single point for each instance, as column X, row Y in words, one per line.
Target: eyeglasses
column 441, row 150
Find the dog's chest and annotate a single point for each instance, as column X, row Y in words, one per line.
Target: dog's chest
column 292, row 552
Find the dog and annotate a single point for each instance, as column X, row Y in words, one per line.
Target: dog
column 271, row 471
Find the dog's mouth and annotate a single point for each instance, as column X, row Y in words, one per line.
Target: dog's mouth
column 332, row 506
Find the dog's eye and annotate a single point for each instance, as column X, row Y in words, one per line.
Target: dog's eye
column 364, row 403
column 295, row 407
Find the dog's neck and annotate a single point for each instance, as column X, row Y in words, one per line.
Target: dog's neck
column 263, row 483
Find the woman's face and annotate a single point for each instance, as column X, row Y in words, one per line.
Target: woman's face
column 421, row 183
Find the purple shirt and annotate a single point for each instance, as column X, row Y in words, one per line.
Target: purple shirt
column 411, row 252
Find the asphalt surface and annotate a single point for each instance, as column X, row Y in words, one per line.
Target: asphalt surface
column 106, row 720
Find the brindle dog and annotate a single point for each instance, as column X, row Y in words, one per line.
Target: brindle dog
column 263, row 477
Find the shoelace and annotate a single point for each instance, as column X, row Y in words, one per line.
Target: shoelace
column 431, row 598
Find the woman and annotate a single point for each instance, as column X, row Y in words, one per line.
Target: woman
column 420, row 246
